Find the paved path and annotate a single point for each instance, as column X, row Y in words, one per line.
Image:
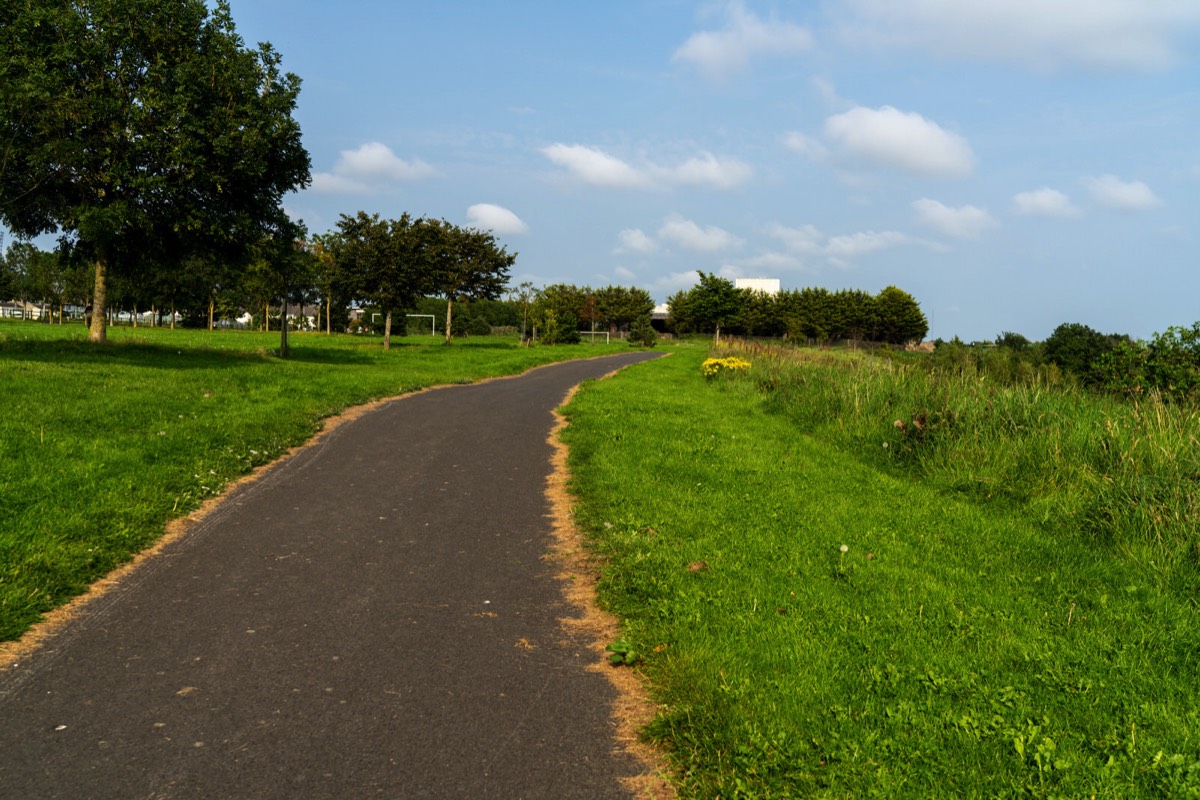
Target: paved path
column 352, row 625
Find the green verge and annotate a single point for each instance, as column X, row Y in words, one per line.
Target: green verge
column 955, row 648
column 101, row 446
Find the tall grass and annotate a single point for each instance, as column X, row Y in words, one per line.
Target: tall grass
column 1124, row 473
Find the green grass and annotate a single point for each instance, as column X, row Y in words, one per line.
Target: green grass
column 968, row 642
column 101, row 446
column 1126, row 474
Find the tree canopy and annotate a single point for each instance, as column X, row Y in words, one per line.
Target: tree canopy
column 380, row 262
column 460, row 263
column 813, row 314
column 708, row 305
column 142, row 130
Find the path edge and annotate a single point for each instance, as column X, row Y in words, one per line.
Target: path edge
column 56, row 620
column 578, row 574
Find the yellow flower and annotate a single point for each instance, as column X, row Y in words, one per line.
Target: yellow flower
column 715, row 367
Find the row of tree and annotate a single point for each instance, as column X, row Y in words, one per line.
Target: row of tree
column 559, row 312
column 392, row 263
column 813, row 314
column 421, row 265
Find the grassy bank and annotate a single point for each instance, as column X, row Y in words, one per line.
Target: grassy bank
column 1125, row 474
column 102, row 446
column 819, row 618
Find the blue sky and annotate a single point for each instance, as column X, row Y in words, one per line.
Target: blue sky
column 1014, row 165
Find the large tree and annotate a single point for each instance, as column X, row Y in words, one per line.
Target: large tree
column 130, row 124
column 709, row 305
column 621, row 307
column 900, row 318
column 461, row 263
column 381, row 262
column 328, row 279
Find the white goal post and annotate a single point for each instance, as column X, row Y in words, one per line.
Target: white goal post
column 594, row 334
column 432, row 322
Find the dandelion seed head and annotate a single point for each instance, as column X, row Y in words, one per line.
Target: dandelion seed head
column 844, row 548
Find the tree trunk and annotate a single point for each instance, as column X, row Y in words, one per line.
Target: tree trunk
column 328, row 319
column 135, row 315
column 387, row 330
column 172, row 315
column 449, row 317
column 283, row 330
column 211, row 307
column 267, row 316
column 99, row 330
column 717, row 340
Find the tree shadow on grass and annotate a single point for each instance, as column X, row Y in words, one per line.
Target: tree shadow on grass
column 153, row 355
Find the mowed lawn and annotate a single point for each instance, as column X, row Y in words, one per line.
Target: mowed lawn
column 101, row 446
column 814, row 626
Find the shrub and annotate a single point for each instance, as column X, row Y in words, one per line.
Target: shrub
column 642, row 334
column 479, row 327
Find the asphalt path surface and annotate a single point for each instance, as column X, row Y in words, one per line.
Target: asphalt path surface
column 371, row 618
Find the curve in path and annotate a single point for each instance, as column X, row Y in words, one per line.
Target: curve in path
column 371, row 618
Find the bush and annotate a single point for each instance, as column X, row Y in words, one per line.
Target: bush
column 642, row 334
column 1078, row 349
column 554, row 332
column 479, row 327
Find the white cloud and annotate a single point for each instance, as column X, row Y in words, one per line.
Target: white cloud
column 690, row 236
column 841, row 250
column 966, row 222
column 707, row 170
column 625, row 274
column 370, row 167
column 1036, row 34
column 1112, row 193
column 595, row 166
column 806, row 146
column 905, row 141
column 826, row 90
column 1045, row 202
column 635, row 240
column 721, row 54
column 598, row 168
column 676, row 281
column 806, row 241
column 777, row 262
column 494, row 218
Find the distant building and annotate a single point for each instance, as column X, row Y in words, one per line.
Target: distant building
column 764, row 285
column 659, row 317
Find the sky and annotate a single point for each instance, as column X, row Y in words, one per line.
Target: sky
column 1013, row 165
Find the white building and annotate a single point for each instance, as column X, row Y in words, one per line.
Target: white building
column 764, row 285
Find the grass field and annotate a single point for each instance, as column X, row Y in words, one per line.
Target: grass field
column 996, row 598
column 101, row 447
column 827, row 606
